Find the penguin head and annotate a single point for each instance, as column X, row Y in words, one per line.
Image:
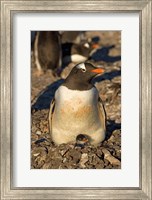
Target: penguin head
column 81, row 76
column 85, row 72
column 81, row 140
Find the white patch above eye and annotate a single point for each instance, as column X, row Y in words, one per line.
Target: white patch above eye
column 86, row 45
column 81, row 66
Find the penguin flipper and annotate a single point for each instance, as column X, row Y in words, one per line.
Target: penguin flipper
column 102, row 112
column 52, row 107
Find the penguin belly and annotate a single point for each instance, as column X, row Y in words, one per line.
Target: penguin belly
column 76, row 112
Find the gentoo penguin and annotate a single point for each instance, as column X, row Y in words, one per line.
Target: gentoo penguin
column 77, row 108
column 75, row 52
column 47, row 50
column 81, row 140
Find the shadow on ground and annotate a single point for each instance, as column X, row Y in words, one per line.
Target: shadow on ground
column 102, row 54
column 107, row 76
column 45, row 97
column 110, row 127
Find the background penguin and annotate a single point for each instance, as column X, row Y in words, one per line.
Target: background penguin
column 75, row 52
column 77, row 108
column 47, row 50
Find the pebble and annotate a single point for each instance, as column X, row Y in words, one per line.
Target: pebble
column 63, row 152
column 36, row 154
column 100, row 165
column 38, row 132
column 34, row 129
column 84, row 159
column 64, row 160
column 110, row 158
column 111, row 139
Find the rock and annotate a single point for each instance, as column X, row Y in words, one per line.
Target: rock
column 99, row 152
column 106, row 162
column 34, row 129
column 100, row 165
column 64, row 160
column 118, row 120
column 34, row 138
column 116, row 147
column 108, row 167
column 111, row 139
column 118, row 154
column 64, row 151
column 46, row 166
column 116, row 80
column 96, row 161
column 62, row 147
column 76, row 157
column 38, row 132
column 55, row 163
column 116, row 132
column 36, row 154
column 110, row 158
column 84, row 159
column 40, row 160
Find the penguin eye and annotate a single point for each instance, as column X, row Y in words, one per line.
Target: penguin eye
column 83, row 70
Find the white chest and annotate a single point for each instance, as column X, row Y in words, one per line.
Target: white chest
column 75, row 99
column 75, row 109
column 75, row 112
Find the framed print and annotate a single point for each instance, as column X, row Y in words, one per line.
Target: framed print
column 76, row 99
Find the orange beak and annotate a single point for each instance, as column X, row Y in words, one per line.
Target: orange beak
column 98, row 71
column 95, row 46
column 85, row 140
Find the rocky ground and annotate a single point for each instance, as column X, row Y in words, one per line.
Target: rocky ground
column 44, row 153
